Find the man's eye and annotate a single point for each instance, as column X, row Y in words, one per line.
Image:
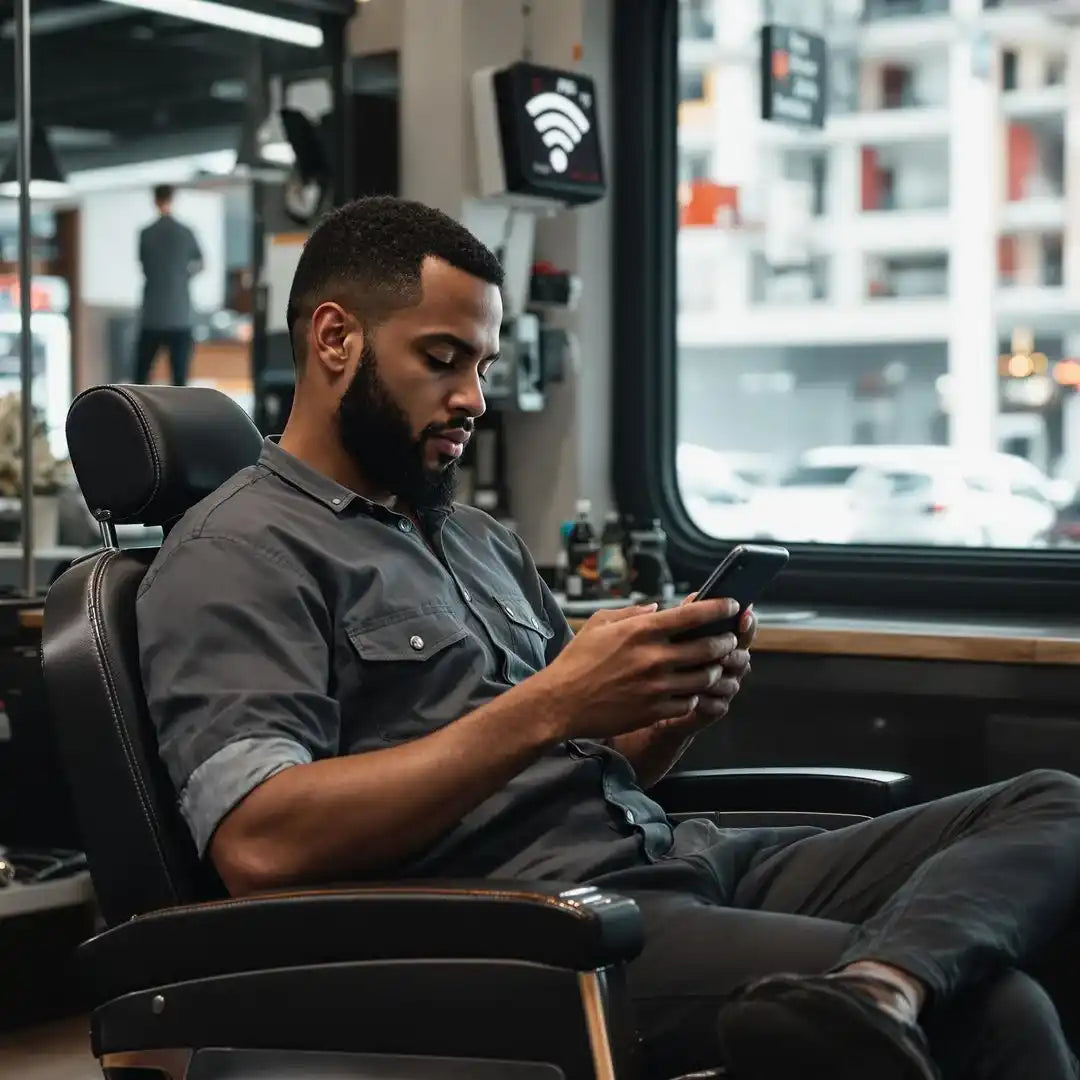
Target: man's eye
column 438, row 362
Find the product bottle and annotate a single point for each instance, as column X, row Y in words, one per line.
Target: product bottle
column 560, row 582
column 614, row 572
column 583, row 571
column 649, row 568
column 667, row 582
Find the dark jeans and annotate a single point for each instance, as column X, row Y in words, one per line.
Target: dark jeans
column 178, row 343
column 961, row 893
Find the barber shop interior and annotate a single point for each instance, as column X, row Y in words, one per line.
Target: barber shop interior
column 539, row 539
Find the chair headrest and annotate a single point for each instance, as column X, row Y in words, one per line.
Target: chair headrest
column 145, row 454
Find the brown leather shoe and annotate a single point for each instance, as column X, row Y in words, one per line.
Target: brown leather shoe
column 819, row 1027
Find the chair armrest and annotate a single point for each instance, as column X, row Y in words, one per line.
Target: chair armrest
column 580, row 928
column 835, row 791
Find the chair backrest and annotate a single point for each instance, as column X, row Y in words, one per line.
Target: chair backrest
column 142, row 455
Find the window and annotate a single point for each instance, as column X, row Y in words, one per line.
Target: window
column 887, row 9
column 893, row 276
column 828, row 314
column 845, row 271
column 696, row 20
column 691, row 86
column 693, row 165
column 1028, row 259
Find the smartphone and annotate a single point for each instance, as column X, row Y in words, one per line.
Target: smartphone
column 743, row 575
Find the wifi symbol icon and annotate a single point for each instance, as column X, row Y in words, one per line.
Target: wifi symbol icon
column 560, row 123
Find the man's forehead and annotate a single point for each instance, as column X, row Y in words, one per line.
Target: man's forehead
column 447, row 286
column 457, row 302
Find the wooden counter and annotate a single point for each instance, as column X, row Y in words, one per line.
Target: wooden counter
column 897, row 639
column 1000, row 642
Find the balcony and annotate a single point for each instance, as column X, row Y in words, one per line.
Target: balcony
column 795, row 286
column 1031, row 276
column 1036, row 102
column 922, row 275
column 885, row 321
column 1034, row 213
column 903, row 28
column 879, row 127
column 900, row 9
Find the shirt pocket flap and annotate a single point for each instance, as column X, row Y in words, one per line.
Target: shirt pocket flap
column 417, row 635
column 519, row 612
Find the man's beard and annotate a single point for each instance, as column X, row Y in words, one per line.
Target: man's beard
column 376, row 433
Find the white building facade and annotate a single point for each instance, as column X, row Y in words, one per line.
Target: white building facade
column 910, row 273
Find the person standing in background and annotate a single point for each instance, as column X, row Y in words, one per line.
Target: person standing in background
column 170, row 258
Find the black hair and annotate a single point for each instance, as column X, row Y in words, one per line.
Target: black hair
column 164, row 193
column 367, row 255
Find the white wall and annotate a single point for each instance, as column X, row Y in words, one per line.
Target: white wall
column 562, row 453
column 110, row 221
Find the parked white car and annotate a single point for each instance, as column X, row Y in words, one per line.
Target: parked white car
column 716, row 496
column 909, row 495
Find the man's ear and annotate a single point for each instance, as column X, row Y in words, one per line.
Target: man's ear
column 330, row 325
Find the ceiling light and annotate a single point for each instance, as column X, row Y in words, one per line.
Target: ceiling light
column 46, row 179
column 233, row 18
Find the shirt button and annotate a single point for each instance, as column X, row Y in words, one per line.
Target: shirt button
column 336, row 502
column 416, row 642
column 630, row 816
column 465, row 593
column 404, row 525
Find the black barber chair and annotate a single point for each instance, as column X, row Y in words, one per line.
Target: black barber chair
column 469, row 979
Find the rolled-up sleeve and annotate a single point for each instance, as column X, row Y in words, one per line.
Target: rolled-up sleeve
column 235, row 645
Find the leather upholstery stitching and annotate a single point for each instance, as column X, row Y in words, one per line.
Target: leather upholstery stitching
column 144, row 422
column 105, row 668
column 493, row 894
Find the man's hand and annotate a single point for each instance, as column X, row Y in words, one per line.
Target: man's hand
column 623, row 671
column 714, row 703
column 655, row 749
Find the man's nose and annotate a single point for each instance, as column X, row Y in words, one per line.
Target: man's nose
column 468, row 396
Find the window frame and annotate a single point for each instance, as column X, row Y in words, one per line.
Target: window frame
column 644, row 391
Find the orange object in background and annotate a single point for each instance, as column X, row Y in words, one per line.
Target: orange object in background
column 872, row 186
column 1007, row 257
column 702, row 202
column 1022, row 161
column 1067, row 372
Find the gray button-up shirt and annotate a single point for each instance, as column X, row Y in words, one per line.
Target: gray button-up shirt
column 168, row 252
column 286, row 619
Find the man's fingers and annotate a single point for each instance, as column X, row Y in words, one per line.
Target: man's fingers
column 602, row 618
column 704, row 680
column 691, row 616
column 690, row 599
column 723, row 689
column 692, row 654
column 714, row 707
column 737, row 663
column 671, row 707
column 747, row 628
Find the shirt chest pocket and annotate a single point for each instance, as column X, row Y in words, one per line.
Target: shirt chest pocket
column 527, row 636
column 415, row 672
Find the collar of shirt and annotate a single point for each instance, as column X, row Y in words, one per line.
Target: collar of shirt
column 319, row 486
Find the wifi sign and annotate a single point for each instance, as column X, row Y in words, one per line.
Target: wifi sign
column 560, row 124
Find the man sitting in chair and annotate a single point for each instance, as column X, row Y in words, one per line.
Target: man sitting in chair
column 353, row 677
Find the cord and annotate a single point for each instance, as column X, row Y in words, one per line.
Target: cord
column 526, row 30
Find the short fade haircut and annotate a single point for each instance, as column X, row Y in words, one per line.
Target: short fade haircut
column 164, row 193
column 367, row 256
